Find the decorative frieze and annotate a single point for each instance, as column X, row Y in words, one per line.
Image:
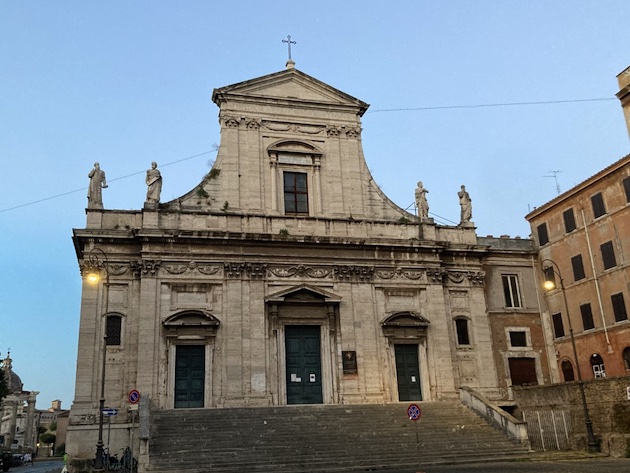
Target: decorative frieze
column 300, row 271
column 399, row 273
column 192, row 266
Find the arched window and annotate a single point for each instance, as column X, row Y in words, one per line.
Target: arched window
column 567, row 371
column 461, row 329
column 113, row 329
column 626, row 358
column 599, row 371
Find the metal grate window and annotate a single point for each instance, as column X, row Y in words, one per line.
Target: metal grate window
column 113, row 329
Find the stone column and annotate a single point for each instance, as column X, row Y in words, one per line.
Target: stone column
column 274, row 182
column 11, row 401
column 317, row 186
column 30, row 420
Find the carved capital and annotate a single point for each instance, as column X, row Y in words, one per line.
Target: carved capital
column 245, row 270
column 354, row 273
column 353, row 132
column 231, row 122
column 253, row 124
column 143, row 267
column 436, row 275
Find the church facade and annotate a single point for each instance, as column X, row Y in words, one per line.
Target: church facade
column 287, row 277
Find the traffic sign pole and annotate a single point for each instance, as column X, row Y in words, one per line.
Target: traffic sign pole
column 414, row 413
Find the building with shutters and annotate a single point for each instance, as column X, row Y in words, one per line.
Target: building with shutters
column 586, row 233
column 286, row 276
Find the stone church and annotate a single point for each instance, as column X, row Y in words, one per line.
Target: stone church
column 286, row 276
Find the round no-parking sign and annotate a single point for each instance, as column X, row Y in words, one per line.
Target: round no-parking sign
column 134, row 396
column 414, row 412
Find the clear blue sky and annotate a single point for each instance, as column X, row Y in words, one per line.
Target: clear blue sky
column 125, row 83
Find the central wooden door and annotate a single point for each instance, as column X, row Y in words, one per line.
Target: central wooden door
column 408, row 373
column 190, row 371
column 303, row 358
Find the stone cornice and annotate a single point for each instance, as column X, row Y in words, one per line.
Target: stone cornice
column 263, row 270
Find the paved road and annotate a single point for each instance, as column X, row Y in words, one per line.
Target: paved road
column 40, row 466
column 599, row 465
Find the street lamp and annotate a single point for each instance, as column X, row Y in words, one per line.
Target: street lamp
column 97, row 260
column 549, row 284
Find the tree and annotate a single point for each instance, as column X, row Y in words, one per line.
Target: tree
column 4, row 388
column 53, row 427
column 47, row 438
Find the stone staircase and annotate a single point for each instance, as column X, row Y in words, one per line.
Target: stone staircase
column 321, row 438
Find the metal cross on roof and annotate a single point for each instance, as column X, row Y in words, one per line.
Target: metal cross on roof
column 289, row 43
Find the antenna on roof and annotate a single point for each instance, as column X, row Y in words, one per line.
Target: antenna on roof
column 555, row 176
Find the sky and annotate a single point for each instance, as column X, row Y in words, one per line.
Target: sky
column 498, row 95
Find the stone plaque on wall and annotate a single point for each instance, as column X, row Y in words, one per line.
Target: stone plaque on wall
column 349, row 362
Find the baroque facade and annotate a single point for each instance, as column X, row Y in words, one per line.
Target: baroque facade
column 286, row 276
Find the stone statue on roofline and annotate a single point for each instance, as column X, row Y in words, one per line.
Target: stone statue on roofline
column 421, row 201
column 154, row 184
column 95, row 189
column 466, row 206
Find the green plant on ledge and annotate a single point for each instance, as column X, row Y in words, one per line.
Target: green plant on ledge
column 214, row 173
column 283, row 232
column 201, row 192
column 226, row 204
column 403, row 220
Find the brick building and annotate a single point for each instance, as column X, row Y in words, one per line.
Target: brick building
column 586, row 233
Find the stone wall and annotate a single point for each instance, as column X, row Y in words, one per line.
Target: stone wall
column 608, row 405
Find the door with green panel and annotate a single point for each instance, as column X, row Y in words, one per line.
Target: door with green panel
column 303, row 360
column 190, row 373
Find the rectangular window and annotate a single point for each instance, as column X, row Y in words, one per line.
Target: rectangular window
column 578, row 267
column 569, row 220
column 626, row 188
column 608, row 255
column 511, row 291
column 599, row 208
column 518, row 339
column 619, row 307
column 587, row 316
column 113, row 329
column 461, row 326
column 295, row 193
column 543, row 236
column 558, row 326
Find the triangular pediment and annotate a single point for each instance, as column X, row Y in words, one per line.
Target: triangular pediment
column 289, row 85
column 303, row 293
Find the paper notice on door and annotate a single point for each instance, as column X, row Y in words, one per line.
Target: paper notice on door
column 413, row 379
column 312, row 378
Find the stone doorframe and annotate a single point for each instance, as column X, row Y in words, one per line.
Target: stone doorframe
column 190, row 327
column 304, row 305
column 410, row 328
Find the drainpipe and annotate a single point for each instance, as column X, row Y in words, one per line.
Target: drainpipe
column 597, row 289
